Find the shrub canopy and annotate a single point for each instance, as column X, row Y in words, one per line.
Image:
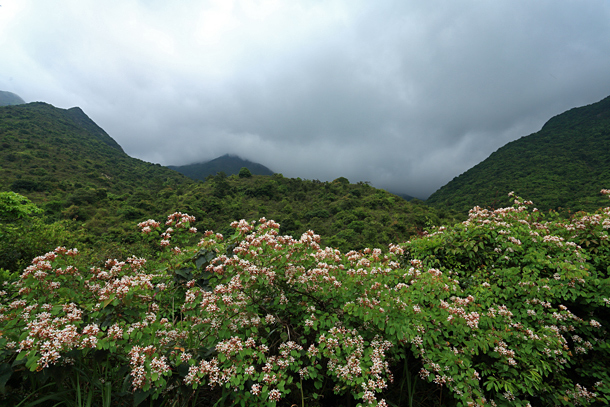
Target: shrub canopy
column 509, row 307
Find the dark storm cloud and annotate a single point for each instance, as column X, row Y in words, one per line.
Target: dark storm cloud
column 405, row 95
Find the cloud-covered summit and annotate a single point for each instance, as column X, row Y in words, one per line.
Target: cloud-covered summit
column 9, row 98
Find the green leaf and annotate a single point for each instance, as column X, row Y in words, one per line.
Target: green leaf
column 139, row 396
column 5, row 374
column 108, row 301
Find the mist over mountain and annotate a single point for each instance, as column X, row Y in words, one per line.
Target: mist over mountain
column 69, row 166
column 44, row 148
column 564, row 165
column 9, row 98
column 229, row 164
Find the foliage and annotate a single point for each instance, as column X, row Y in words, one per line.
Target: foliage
column 68, row 166
column 538, row 291
column 244, row 173
column 348, row 216
column 23, row 234
column 562, row 166
column 14, row 206
column 506, row 308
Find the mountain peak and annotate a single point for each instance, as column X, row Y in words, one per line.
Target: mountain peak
column 229, row 164
column 81, row 119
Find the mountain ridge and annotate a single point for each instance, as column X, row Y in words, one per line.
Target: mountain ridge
column 229, row 164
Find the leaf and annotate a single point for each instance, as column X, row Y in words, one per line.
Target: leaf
column 107, row 301
column 139, row 396
column 5, row 374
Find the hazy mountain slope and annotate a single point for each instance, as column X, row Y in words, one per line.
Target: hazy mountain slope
column 406, row 197
column 9, row 98
column 229, row 164
column 564, row 165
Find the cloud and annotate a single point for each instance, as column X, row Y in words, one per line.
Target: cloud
column 406, row 95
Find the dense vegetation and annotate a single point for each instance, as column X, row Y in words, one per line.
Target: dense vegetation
column 564, row 165
column 229, row 164
column 352, row 216
column 77, row 174
column 510, row 307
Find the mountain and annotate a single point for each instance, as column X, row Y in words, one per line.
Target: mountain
column 229, row 164
column 64, row 163
column 8, row 99
column 563, row 166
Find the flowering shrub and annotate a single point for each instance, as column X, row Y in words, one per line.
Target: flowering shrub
column 504, row 308
column 540, row 300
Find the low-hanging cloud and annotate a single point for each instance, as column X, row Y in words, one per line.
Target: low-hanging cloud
column 405, row 95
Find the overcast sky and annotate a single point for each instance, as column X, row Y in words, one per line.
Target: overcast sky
column 403, row 94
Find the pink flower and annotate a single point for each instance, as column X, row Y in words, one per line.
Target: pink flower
column 256, row 389
column 275, row 395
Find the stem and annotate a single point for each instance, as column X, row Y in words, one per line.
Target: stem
column 411, row 383
column 440, row 400
column 78, row 397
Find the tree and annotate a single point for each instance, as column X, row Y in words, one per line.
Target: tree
column 245, row 173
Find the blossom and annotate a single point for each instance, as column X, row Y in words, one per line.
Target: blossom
column 255, row 389
column 159, row 365
column 275, row 395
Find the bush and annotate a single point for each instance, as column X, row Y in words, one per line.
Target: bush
column 14, row 207
column 507, row 308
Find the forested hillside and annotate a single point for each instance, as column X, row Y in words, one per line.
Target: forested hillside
column 68, row 165
column 563, row 166
column 76, row 173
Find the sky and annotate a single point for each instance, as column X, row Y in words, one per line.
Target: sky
column 403, row 94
